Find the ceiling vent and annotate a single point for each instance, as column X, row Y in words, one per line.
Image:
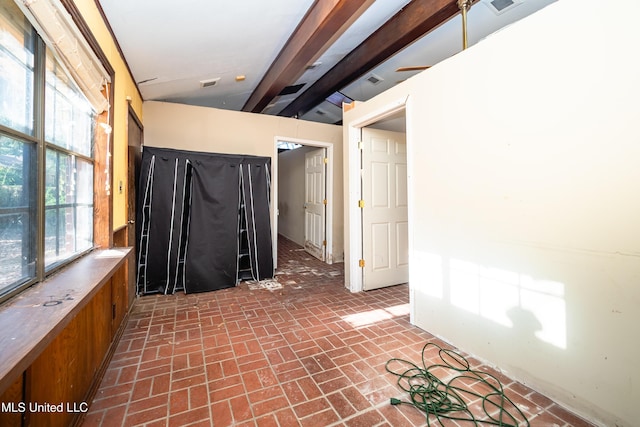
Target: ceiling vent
column 209, row 83
column 313, row 66
column 321, row 112
column 501, row 6
column 374, row 79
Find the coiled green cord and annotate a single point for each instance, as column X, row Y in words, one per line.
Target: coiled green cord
column 455, row 399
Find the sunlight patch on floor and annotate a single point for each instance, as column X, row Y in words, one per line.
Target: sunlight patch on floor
column 370, row 317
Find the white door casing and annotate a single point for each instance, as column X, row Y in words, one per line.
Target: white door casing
column 385, row 244
column 315, row 203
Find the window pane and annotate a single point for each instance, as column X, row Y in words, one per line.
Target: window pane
column 17, row 212
column 68, row 207
column 16, row 69
column 84, row 205
column 84, row 227
column 68, row 115
column 85, row 182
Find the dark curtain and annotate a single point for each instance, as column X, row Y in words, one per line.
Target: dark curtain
column 212, row 250
column 190, row 206
column 255, row 189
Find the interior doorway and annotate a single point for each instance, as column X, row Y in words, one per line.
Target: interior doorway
column 385, row 232
column 378, row 245
column 303, row 195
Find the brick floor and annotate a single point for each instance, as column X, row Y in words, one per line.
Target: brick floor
column 297, row 351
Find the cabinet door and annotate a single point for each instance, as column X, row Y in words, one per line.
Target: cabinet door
column 119, row 297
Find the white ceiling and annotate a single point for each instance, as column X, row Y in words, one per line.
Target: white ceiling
column 170, row 46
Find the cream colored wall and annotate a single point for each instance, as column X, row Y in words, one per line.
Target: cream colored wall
column 291, row 184
column 124, row 87
column 524, row 155
column 185, row 127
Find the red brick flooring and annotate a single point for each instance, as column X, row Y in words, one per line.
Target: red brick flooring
column 298, row 351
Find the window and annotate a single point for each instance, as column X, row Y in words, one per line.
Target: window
column 17, row 45
column 68, row 115
column 17, row 212
column 68, row 227
column 46, row 165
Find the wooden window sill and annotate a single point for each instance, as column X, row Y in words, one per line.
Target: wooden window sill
column 32, row 320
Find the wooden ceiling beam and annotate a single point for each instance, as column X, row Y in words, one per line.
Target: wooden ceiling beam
column 416, row 19
column 323, row 23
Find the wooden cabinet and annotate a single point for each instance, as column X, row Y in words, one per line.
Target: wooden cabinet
column 119, row 298
column 60, row 355
column 12, row 398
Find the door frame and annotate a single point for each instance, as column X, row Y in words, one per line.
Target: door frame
column 134, row 147
column 353, row 189
column 328, row 192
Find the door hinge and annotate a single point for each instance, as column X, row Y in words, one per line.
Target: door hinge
column 361, row 263
column 324, row 243
column 326, row 160
column 361, row 204
column 324, row 202
column 360, row 145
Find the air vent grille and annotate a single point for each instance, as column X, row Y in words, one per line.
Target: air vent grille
column 209, row 83
column 501, row 6
column 374, row 79
column 313, row 66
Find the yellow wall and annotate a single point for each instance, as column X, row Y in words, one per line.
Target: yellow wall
column 124, row 86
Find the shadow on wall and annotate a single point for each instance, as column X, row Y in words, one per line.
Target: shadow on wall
column 555, row 318
column 526, row 304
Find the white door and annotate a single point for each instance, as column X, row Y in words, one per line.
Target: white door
column 385, row 239
column 315, row 203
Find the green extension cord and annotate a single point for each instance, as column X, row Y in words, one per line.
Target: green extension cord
column 454, row 400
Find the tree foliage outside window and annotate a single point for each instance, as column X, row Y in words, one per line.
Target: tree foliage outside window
column 17, row 220
column 39, row 235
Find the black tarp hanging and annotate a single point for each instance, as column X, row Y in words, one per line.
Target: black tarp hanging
column 254, row 201
column 204, row 221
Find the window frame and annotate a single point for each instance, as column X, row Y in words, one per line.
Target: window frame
column 38, row 139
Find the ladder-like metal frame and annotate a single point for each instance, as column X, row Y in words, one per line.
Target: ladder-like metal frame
column 143, row 244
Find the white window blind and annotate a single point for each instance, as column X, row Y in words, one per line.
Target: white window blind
column 56, row 27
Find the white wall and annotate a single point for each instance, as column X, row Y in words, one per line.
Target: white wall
column 291, row 182
column 524, row 168
column 185, row 127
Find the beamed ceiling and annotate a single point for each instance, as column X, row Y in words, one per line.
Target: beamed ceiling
column 288, row 57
